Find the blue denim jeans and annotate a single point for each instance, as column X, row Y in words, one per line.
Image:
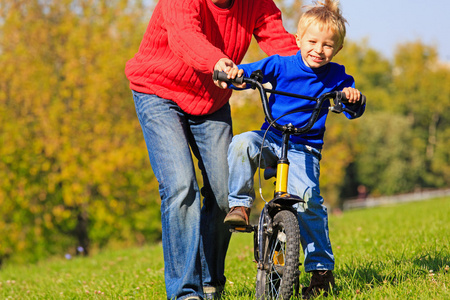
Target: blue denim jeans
column 304, row 169
column 195, row 240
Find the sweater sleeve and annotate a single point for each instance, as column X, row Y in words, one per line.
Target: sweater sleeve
column 270, row 33
column 185, row 36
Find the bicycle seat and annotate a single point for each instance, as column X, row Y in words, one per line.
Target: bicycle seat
column 270, row 172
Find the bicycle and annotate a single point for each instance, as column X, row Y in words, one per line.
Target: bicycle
column 277, row 234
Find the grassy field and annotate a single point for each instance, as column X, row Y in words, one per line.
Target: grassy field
column 393, row 252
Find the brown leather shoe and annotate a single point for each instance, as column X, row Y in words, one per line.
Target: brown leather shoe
column 238, row 215
column 321, row 281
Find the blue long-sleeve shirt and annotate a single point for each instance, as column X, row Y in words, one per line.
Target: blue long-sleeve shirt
column 290, row 74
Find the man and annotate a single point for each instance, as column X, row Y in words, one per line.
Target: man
column 181, row 110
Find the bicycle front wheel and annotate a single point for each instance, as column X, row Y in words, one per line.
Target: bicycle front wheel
column 279, row 280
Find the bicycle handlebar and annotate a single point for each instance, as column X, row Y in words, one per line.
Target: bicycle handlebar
column 255, row 80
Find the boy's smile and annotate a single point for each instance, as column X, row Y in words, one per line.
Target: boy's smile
column 318, row 45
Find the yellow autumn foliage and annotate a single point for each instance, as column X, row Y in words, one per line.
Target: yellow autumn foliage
column 74, row 169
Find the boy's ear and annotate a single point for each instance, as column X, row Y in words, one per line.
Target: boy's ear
column 297, row 40
column 342, row 46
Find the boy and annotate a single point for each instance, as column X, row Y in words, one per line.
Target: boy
column 320, row 36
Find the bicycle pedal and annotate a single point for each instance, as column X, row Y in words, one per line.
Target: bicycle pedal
column 241, row 228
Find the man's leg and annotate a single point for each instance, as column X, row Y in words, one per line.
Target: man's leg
column 165, row 131
column 211, row 138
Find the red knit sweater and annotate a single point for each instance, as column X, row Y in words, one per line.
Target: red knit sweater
column 185, row 39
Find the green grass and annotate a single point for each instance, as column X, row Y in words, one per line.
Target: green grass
column 393, row 252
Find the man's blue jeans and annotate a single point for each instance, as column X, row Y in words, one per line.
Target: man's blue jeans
column 195, row 240
column 304, row 170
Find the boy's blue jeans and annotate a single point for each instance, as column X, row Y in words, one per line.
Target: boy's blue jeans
column 195, row 240
column 304, row 169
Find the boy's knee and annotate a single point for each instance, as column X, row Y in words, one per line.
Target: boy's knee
column 243, row 143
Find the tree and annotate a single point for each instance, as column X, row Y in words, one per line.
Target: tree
column 422, row 92
column 72, row 150
column 73, row 166
column 342, row 142
column 386, row 163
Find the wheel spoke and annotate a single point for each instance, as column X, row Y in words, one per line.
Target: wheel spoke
column 279, row 279
column 277, row 262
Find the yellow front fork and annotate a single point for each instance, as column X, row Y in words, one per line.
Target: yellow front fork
column 282, row 178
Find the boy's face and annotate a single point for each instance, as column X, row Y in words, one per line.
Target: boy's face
column 318, row 47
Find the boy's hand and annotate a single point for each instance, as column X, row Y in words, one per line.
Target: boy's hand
column 235, row 72
column 228, row 66
column 353, row 95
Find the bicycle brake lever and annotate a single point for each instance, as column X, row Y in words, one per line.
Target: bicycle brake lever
column 337, row 107
column 351, row 112
column 257, row 76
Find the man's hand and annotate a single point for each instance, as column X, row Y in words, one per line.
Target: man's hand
column 228, row 66
column 225, row 65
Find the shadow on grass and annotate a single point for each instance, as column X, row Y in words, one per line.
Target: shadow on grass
column 436, row 260
column 392, row 270
column 361, row 275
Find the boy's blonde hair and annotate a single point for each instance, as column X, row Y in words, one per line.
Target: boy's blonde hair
column 328, row 15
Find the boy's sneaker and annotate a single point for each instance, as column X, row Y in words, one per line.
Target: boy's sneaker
column 238, row 215
column 321, row 281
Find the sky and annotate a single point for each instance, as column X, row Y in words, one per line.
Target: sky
column 387, row 23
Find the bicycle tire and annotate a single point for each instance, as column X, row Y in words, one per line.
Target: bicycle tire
column 282, row 248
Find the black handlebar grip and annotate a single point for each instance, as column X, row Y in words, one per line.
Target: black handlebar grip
column 222, row 76
column 362, row 99
column 341, row 96
column 344, row 99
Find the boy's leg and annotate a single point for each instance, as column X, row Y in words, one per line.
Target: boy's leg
column 165, row 131
column 211, row 137
column 313, row 217
column 243, row 160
